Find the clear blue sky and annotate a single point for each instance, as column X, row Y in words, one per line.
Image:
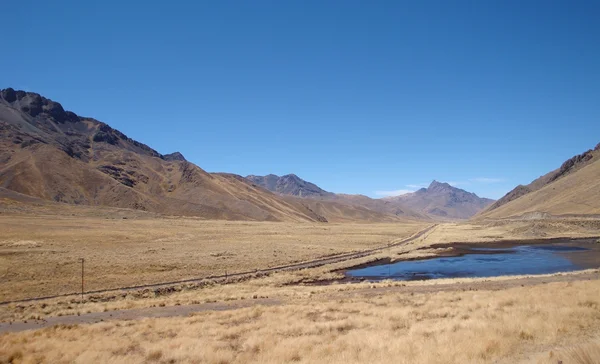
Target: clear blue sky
column 356, row 96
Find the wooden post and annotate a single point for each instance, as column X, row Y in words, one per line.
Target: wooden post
column 82, row 290
column 390, row 263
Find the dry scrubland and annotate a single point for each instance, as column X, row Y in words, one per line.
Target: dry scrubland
column 39, row 255
column 541, row 324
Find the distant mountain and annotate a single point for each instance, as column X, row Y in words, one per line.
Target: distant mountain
column 572, row 189
column 290, row 184
column 293, row 185
column 441, row 200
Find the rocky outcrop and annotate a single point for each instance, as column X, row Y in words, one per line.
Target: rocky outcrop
column 174, row 157
column 33, row 105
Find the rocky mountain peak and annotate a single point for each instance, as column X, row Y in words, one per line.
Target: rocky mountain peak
column 174, row 157
column 443, row 200
column 439, row 186
column 34, row 104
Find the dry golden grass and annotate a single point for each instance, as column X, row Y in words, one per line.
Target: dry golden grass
column 581, row 353
column 577, row 193
column 179, row 238
column 488, row 231
column 447, row 327
column 39, row 255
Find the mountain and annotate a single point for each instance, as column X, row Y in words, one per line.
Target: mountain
column 52, row 154
column 290, row 184
column 571, row 189
column 441, row 200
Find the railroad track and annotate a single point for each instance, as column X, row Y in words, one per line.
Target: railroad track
column 294, row 266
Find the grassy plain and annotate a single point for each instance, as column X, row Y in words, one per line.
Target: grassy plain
column 39, row 254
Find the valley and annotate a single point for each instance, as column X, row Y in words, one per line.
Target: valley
column 180, row 263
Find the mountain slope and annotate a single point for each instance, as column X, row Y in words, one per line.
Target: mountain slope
column 440, row 200
column 572, row 189
column 53, row 154
column 570, row 166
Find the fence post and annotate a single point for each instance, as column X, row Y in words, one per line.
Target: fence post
column 82, row 290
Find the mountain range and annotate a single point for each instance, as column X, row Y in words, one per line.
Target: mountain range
column 51, row 154
column 438, row 201
column 56, row 155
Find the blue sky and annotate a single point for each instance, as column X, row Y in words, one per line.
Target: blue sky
column 355, row 96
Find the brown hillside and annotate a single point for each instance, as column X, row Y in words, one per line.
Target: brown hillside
column 570, row 166
column 576, row 192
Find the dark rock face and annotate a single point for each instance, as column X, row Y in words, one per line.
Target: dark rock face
column 106, row 134
column 32, row 104
column 72, row 117
column 127, row 178
column 73, row 136
column 568, row 165
column 174, row 157
column 9, row 95
column 55, row 110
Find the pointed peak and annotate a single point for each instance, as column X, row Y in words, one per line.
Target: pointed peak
column 436, row 184
column 175, row 157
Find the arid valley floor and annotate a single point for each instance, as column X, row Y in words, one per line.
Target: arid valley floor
column 296, row 315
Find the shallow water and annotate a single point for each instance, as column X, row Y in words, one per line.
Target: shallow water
column 488, row 262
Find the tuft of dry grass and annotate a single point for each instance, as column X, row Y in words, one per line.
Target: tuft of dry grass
column 587, row 352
